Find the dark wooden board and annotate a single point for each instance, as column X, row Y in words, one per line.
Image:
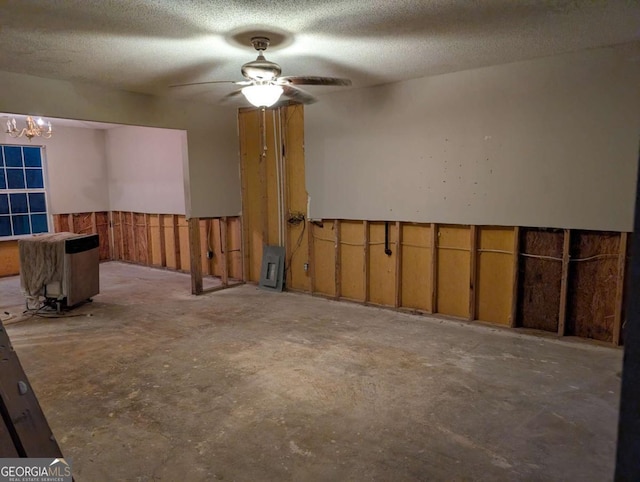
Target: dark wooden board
column 591, row 303
column 7, row 445
column 539, row 279
column 21, row 412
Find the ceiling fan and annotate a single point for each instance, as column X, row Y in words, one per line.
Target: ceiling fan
column 264, row 86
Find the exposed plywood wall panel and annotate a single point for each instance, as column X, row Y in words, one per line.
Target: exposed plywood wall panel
column 453, row 270
column 254, row 193
column 416, row 266
column 352, row 260
column 540, row 274
column 382, row 268
column 273, row 189
column 591, row 306
column 297, row 241
column 269, row 176
column 495, row 274
column 9, row 258
column 324, row 259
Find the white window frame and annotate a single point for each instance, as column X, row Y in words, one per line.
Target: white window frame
column 45, row 190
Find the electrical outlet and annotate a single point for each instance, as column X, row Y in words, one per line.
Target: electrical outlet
column 306, row 267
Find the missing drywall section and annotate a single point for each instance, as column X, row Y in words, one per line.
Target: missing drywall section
column 540, row 277
column 592, row 284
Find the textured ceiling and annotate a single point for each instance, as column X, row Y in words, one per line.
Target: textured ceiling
column 146, row 45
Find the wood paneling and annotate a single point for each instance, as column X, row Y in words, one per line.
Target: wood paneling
column 495, row 274
column 295, row 196
column 9, row 258
column 352, row 266
column 234, row 253
column 169, row 240
column 88, row 223
column 253, row 191
column 141, row 239
column 382, row 268
column 540, row 273
column 103, row 231
column 324, row 258
column 156, row 240
column 453, row 270
column 593, row 276
column 416, row 266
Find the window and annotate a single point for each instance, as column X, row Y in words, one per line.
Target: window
column 23, row 200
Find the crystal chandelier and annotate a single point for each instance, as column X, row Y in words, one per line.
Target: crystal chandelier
column 35, row 128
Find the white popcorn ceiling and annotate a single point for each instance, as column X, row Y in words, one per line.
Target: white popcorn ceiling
column 146, row 45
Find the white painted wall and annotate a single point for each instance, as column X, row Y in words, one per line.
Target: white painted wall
column 145, row 167
column 211, row 173
column 76, row 169
column 551, row 142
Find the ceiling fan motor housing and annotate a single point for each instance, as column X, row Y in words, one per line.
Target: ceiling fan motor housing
column 261, row 69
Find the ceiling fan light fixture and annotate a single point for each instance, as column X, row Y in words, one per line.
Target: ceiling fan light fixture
column 262, row 95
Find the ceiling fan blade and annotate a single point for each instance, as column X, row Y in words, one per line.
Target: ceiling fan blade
column 230, row 96
column 237, row 82
column 298, row 95
column 311, row 80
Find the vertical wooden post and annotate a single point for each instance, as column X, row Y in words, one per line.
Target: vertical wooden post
column 433, row 274
column 515, row 276
column 111, row 231
column 195, row 256
column 147, row 230
column 121, row 221
column 398, row 279
column 473, row 244
column 71, row 227
column 622, row 262
column 207, row 228
column 94, row 224
column 56, row 223
column 310, row 258
column 264, row 197
column 365, row 225
column 134, row 245
column 176, row 241
column 223, row 250
column 163, row 243
column 336, row 233
column 562, row 316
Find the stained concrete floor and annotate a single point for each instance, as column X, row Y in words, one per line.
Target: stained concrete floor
column 151, row 383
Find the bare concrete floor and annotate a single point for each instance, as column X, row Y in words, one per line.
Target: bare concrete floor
column 155, row 384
